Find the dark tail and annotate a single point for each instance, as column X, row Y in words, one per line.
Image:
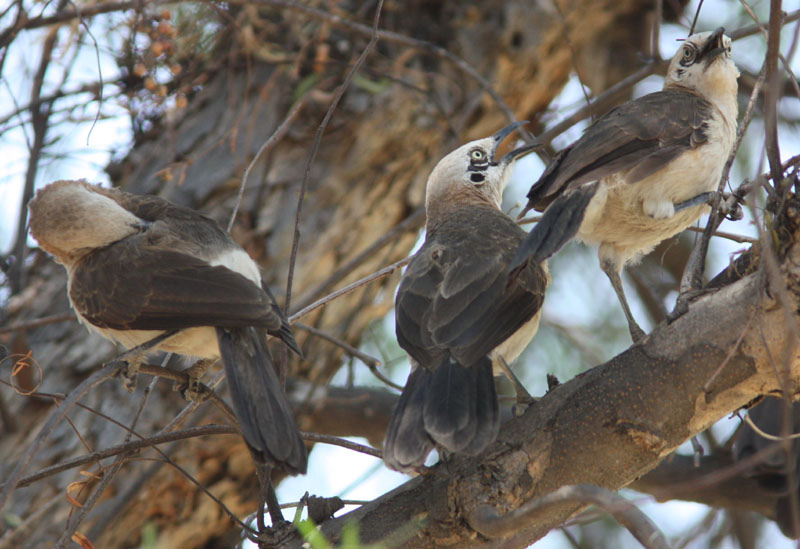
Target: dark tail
column 258, row 399
column 453, row 406
column 558, row 225
column 285, row 331
column 407, row 444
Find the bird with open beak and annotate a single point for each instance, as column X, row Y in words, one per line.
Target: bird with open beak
column 458, row 312
column 139, row 266
column 647, row 169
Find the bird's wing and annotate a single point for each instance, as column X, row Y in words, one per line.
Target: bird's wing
column 132, row 286
column 640, row 137
column 456, row 298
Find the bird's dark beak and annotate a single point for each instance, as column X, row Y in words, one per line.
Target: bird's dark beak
column 519, row 152
column 713, row 47
column 501, row 135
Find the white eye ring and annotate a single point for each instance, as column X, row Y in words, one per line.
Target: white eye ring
column 477, row 154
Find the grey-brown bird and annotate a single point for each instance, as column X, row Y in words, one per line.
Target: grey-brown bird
column 457, row 311
column 139, row 266
column 650, row 166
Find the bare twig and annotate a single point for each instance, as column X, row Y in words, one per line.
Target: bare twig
column 413, row 221
column 766, row 435
column 349, row 349
column 158, row 438
column 273, row 139
column 315, row 147
column 349, row 288
column 696, row 15
column 52, row 319
column 741, row 239
column 772, row 94
column 487, row 521
column 39, row 121
column 344, row 443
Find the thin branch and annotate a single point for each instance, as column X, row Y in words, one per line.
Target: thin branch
column 349, row 288
column 35, row 323
column 159, row 438
column 487, row 521
column 766, row 435
column 741, row 239
column 413, row 221
column 696, row 15
column 771, row 97
column 63, row 16
column 273, row 140
column 315, row 147
column 39, row 120
column 370, row 361
column 344, row 443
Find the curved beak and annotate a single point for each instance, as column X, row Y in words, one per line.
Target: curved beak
column 519, row 152
column 502, row 134
column 713, row 47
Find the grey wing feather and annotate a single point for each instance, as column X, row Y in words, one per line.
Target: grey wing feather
column 486, row 309
column 125, row 288
column 642, row 136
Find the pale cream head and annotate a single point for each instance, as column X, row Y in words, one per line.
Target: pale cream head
column 703, row 64
column 471, row 174
column 70, row 218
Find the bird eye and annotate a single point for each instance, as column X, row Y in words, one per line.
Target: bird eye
column 688, row 53
column 477, row 154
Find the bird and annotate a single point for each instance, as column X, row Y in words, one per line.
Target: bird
column 139, row 267
column 649, row 167
column 458, row 312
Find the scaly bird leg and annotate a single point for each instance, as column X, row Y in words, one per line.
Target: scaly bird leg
column 524, row 398
column 729, row 206
column 637, row 334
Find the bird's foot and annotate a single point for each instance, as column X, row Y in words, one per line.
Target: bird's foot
column 637, row 334
column 279, row 534
column 127, row 372
column 522, row 404
column 194, row 390
column 683, row 301
column 731, row 206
